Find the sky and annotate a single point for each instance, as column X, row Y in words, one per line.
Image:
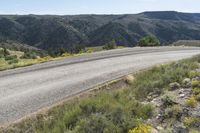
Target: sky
column 71, row 7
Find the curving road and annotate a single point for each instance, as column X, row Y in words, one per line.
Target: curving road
column 26, row 90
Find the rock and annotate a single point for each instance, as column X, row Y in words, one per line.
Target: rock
column 186, row 111
column 196, row 78
column 196, row 113
column 153, row 130
column 181, row 91
column 158, row 116
column 186, row 83
column 174, row 86
column 149, row 98
column 155, row 95
column 182, row 95
column 159, row 128
column 157, row 102
column 129, row 79
column 180, row 129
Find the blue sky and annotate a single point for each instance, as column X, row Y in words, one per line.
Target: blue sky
column 62, row 7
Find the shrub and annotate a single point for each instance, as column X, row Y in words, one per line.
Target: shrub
column 10, row 57
column 96, row 124
column 142, row 128
column 110, row 45
column 2, row 54
column 6, row 52
column 117, row 116
column 71, row 118
column 149, row 41
column 186, row 83
column 168, row 99
column 88, row 108
column 191, row 102
column 13, row 61
column 195, row 83
column 190, row 121
column 173, row 112
column 66, row 54
column 174, row 86
column 90, row 50
column 193, row 74
column 29, row 55
column 198, row 97
column 58, row 52
column 196, row 91
column 146, row 111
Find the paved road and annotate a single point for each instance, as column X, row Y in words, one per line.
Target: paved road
column 25, row 90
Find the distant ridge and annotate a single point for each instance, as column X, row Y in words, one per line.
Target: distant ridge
column 51, row 31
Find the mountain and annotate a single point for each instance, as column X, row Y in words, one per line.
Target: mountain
column 52, row 32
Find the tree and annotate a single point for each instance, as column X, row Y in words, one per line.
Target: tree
column 111, row 45
column 76, row 49
column 57, row 52
column 149, row 41
column 6, row 52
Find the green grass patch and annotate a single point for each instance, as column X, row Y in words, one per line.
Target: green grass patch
column 157, row 79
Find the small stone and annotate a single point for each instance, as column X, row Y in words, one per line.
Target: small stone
column 182, row 95
column 159, row 128
column 129, row 79
column 155, row 95
column 153, row 130
column 181, row 91
column 158, row 116
column 180, row 129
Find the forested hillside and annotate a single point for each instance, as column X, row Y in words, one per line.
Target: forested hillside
column 52, row 32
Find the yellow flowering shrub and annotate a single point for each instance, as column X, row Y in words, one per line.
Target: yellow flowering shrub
column 191, row 102
column 142, row 128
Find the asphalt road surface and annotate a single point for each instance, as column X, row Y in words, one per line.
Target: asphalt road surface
column 26, row 90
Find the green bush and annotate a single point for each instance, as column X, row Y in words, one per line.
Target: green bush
column 195, row 83
column 198, row 97
column 149, row 41
column 13, row 61
column 168, row 99
column 96, row 124
column 173, row 112
column 193, row 74
column 1, row 56
column 6, row 52
column 110, row 45
column 29, row 55
column 186, row 83
column 196, row 91
column 10, row 57
column 174, row 86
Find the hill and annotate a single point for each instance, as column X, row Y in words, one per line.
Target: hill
column 52, row 32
